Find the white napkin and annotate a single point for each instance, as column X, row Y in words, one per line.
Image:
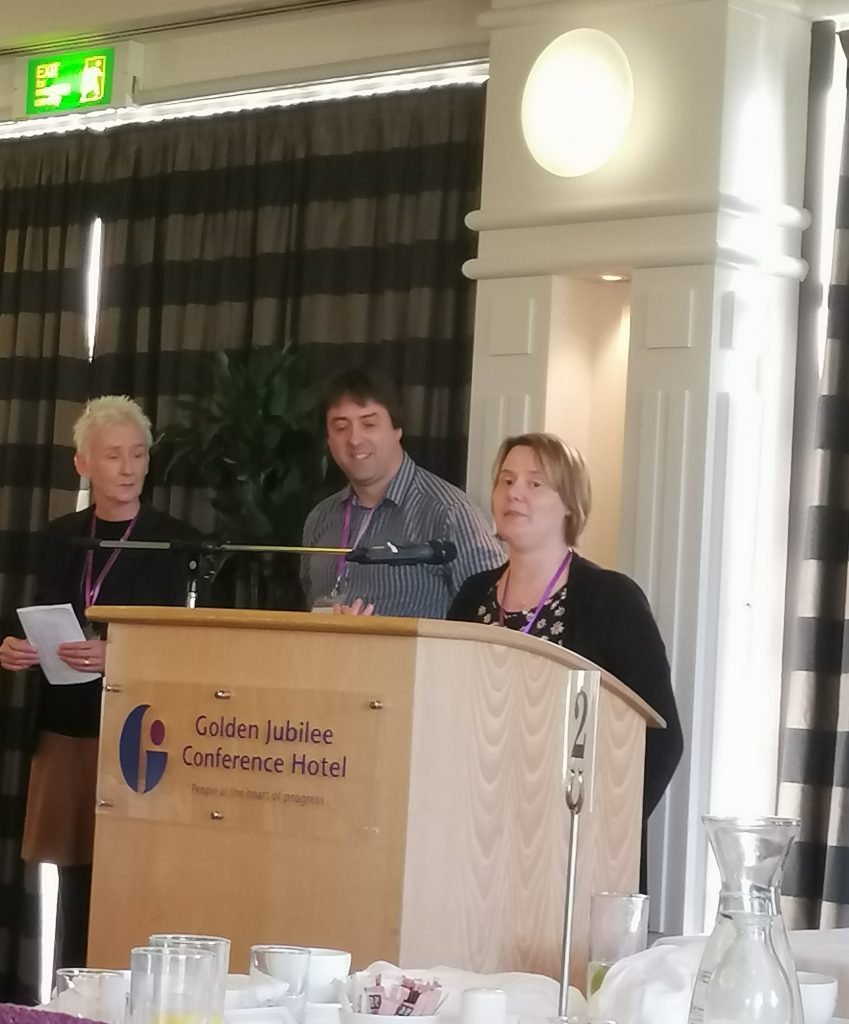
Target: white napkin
column 528, row 995
column 77, row 1002
column 255, row 1000
column 244, row 992
column 653, row 987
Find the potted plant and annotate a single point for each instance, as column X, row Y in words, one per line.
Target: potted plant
column 252, row 436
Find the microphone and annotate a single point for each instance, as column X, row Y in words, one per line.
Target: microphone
column 433, row 552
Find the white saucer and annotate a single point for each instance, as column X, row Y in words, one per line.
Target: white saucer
column 322, row 1013
column 260, row 1014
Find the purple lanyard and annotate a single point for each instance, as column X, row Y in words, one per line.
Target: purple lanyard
column 546, row 594
column 346, row 534
column 93, row 590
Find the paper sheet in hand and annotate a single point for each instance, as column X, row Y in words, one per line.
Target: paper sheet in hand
column 46, row 626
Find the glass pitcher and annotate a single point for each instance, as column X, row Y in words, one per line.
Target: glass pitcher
column 747, row 973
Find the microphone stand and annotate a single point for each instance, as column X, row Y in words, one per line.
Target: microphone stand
column 201, row 566
column 202, row 554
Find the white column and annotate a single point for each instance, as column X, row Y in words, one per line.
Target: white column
column 700, row 210
column 551, row 354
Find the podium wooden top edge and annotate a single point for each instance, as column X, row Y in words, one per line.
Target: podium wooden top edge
column 377, row 625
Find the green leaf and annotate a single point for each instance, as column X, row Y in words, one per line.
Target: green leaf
column 252, row 434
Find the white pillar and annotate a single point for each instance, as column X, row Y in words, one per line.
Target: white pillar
column 700, row 210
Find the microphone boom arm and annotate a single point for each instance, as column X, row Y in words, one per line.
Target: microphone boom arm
column 200, row 554
column 207, row 547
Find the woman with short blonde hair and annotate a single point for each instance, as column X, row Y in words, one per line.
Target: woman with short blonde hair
column 109, row 410
column 112, row 439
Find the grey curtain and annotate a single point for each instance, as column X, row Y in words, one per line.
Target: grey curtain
column 44, row 222
column 814, row 764
column 339, row 226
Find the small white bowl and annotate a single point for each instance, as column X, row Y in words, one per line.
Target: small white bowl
column 819, row 996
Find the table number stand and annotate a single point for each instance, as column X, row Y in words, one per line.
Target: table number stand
column 578, row 790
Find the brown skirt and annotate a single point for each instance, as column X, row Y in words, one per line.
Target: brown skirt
column 59, row 825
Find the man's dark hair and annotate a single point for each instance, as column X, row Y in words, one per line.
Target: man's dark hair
column 364, row 386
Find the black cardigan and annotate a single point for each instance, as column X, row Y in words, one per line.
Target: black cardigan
column 608, row 621
column 136, row 578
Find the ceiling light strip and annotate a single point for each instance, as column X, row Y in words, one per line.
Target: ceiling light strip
column 465, row 73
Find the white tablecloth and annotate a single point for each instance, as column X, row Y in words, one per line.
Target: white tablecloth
column 660, row 981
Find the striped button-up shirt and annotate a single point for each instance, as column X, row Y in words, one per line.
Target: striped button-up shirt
column 418, row 507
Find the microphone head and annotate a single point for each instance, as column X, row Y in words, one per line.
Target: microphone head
column 444, row 551
column 432, row 552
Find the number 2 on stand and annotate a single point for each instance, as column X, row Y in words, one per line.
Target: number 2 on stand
column 580, row 707
column 581, row 729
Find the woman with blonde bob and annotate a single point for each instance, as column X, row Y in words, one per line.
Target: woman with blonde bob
column 540, row 502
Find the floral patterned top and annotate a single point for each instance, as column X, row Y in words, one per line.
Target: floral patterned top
column 549, row 624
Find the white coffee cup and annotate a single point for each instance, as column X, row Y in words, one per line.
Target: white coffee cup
column 819, row 996
column 326, row 967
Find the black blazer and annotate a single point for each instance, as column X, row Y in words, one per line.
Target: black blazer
column 136, row 578
column 608, row 620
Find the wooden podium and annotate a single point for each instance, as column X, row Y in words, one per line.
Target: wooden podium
column 389, row 786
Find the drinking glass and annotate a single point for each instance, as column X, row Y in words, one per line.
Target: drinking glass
column 215, row 944
column 90, row 992
column 619, row 923
column 289, row 964
column 172, row 986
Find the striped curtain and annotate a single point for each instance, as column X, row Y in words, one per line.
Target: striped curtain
column 44, row 230
column 339, row 226
column 814, row 769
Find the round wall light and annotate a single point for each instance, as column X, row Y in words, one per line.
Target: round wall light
column 577, row 102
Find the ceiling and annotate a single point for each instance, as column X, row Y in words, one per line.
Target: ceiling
column 46, row 23
column 42, row 24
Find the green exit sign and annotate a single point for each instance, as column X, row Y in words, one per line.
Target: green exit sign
column 80, row 80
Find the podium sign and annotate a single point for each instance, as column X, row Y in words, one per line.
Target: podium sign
column 187, row 755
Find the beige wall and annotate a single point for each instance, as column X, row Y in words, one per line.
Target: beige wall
column 585, row 401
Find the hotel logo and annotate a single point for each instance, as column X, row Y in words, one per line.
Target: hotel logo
column 142, row 764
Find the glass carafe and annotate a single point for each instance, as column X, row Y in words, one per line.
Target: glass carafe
column 747, row 972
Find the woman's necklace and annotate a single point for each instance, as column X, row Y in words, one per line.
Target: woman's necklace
column 546, row 594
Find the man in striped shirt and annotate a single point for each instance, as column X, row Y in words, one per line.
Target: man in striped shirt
column 388, row 498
